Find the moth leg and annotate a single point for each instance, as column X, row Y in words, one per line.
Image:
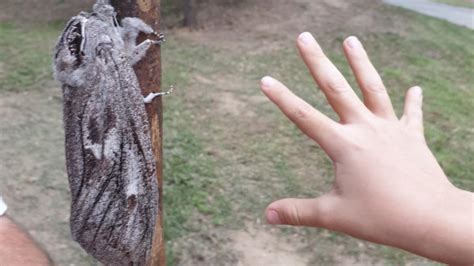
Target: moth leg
column 130, row 29
column 161, row 37
column 136, row 25
column 151, row 96
column 139, row 51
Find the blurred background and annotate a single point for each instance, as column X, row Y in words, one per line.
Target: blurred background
column 228, row 151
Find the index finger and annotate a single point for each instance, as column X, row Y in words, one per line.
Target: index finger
column 314, row 124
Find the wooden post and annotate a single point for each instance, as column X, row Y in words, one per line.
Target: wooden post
column 149, row 76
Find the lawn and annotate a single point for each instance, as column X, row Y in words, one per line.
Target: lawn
column 461, row 3
column 229, row 152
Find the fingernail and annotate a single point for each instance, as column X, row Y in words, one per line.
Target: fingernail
column 353, row 42
column 273, row 217
column 267, row 82
column 417, row 91
column 306, row 38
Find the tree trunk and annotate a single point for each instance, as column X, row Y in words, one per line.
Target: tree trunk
column 148, row 71
column 189, row 12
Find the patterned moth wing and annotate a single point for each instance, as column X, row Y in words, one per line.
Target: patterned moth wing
column 110, row 162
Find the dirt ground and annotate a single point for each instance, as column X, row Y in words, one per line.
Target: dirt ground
column 32, row 168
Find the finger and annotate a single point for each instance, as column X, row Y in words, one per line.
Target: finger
column 413, row 113
column 314, row 124
column 318, row 212
column 338, row 92
column 376, row 97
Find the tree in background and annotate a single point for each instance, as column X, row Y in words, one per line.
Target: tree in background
column 189, row 13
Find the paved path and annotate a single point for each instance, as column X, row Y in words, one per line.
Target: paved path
column 457, row 15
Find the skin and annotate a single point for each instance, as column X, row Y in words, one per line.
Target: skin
column 17, row 247
column 388, row 186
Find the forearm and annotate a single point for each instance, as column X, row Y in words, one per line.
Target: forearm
column 17, row 248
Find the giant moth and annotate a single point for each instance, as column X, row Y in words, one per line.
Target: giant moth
column 110, row 163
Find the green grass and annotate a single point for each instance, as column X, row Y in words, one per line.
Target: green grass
column 461, row 3
column 191, row 184
column 25, row 56
column 190, row 173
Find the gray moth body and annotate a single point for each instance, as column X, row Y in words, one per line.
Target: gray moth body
column 110, row 162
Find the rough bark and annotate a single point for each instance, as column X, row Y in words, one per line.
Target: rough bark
column 149, row 76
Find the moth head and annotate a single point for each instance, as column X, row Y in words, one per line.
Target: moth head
column 103, row 7
column 69, row 53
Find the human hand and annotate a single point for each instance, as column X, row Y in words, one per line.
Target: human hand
column 388, row 186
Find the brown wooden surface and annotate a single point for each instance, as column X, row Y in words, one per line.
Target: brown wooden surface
column 149, row 76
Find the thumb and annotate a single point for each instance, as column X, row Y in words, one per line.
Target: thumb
column 316, row 212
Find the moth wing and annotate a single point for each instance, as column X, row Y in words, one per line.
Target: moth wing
column 111, row 168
